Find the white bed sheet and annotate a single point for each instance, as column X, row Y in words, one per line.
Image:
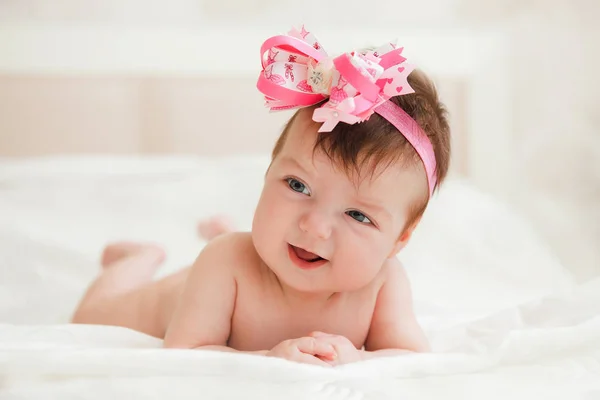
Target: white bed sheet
column 504, row 317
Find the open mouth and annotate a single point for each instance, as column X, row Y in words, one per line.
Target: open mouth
column 304, row 258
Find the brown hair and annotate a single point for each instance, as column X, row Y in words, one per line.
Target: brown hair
column 376, row 143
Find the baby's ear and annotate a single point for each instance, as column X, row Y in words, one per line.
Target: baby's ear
column 404, row 238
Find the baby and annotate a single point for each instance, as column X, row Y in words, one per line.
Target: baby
column 317, row 279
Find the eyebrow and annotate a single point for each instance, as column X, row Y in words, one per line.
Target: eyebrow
column 291, row 160
column 375, row 207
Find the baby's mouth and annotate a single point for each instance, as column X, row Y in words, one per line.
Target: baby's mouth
column 306, row 255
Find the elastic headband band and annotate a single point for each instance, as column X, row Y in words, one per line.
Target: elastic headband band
column 414, row 135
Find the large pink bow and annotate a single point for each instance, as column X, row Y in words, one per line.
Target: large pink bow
column 330, row 116
column 297, row 72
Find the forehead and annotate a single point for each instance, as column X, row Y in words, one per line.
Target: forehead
column 395, row 181
column 302, row 133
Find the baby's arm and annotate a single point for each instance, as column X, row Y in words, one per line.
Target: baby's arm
column 202, row 318
column 394, row 327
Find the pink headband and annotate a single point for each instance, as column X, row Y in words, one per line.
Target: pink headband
column 298, row 73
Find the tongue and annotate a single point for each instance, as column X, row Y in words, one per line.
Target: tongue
column 306, row 255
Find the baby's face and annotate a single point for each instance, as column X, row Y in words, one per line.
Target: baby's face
column 317, row 229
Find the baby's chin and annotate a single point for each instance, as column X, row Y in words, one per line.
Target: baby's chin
column 317, row 283
column 304, row 286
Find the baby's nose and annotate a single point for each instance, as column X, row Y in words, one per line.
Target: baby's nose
column 317, row 224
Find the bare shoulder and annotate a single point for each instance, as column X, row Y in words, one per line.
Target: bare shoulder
column 394, row 324
column 230, row 241
column 231, row 253
column 394, row 290
column 392, row 274
column 229, row 248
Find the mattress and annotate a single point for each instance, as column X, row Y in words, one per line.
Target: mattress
column 504, row 317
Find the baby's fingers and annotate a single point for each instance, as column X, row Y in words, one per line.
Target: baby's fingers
column 315, row 347
column 308, row 359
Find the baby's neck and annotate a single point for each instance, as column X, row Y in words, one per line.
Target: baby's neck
column 306, row 299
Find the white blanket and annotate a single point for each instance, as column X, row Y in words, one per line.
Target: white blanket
column 502, row 314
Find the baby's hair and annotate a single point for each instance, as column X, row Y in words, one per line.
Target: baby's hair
column 376, row 143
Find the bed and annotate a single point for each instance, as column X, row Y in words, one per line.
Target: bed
column 504, row 317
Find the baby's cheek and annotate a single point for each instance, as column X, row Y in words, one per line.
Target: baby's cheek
column 359, row 266
column 263, row 228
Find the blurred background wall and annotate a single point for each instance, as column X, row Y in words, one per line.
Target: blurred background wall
column 131, row 77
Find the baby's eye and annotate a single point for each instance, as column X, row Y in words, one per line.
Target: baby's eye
column 360, row 217
column 297, row 186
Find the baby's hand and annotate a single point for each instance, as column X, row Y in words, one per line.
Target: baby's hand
column 308, row 350
column 344, row 349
